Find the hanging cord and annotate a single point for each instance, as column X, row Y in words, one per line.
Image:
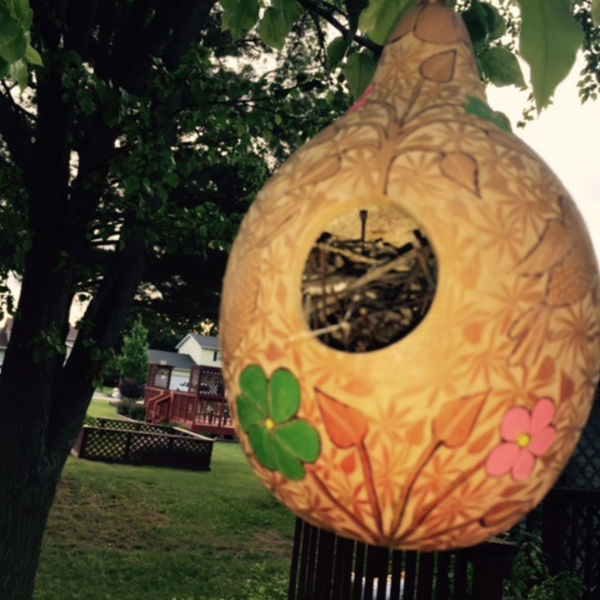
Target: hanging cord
column 427, row 2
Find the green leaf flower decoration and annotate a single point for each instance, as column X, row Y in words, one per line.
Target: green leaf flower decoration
column 266, row 410
column 480, row 109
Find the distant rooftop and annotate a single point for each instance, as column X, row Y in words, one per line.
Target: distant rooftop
column 206, row 341
column 173, row 359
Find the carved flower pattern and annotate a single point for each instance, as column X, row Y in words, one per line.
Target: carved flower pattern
column 267, row 413
column 526, row 436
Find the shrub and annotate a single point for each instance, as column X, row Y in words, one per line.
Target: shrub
column 531, row 578
column 131, row 409
column 131, row 390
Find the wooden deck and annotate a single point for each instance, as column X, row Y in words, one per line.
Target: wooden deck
column 199, row 412
column 202, row 409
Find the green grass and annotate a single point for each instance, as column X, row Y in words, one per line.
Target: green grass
column 141, row 533
column 102, row 409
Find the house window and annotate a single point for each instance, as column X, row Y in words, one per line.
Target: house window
column 216, row 356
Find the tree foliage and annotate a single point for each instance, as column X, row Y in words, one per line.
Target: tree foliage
column 133, row 360
column 550, row 35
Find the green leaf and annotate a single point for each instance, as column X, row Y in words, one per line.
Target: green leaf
column 359, row 70
column 480, row 109
column 21, row 12
column 380, row 17
column 18, row 72
column 484, row 22
column 262, row 444
column 550, row 38
column 277, row 22
column 290, row 11
column 286, row 462
column 336, row 50
column 15, row 49
column 301, row 439
column 250, row 413
column 9, row 28
column 502, row 67
column 33, row 57
column 284, row 396
column 252, row 402
column 239, row 16
column 272, row 28
column 476, row 20
column 596, row 12
column 495, row 22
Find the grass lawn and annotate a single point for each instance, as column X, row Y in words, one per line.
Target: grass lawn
column 102, row 409
column 141, row 533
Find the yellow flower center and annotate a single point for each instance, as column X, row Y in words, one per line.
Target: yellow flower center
column 269, row 423
column 523, row 440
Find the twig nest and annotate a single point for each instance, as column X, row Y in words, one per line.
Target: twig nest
column 410, row 319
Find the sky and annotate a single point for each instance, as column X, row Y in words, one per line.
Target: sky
column 567, row 137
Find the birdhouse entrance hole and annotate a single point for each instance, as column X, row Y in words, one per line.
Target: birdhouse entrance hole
column 369, row 280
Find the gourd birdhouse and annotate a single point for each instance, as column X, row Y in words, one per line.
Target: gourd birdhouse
column 410, row 314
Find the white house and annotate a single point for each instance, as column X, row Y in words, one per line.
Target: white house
column 181, row 363
column 192, row 350
column 205, row 350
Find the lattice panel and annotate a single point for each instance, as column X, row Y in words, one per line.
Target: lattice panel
column 108, row 446
column 132, row 426
column 211, row 382
column 135, row 447
column 160, row 376
column 583, row 470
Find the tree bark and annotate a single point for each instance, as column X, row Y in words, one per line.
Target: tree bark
column 43, row 398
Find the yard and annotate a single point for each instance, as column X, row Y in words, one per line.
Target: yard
column 127, row 533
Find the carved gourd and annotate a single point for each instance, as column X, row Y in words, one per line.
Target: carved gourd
column 410, row 312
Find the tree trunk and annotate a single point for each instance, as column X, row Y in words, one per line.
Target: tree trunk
column 26, row 499
column 43, row 400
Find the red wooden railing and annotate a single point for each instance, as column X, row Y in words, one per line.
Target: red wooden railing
column 203, row 409
column 157, row 403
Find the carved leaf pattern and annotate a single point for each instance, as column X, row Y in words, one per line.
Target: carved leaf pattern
column 455, row 423
column 346, row 426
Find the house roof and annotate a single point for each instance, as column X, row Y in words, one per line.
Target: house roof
column 205, row 341
column 173, row 359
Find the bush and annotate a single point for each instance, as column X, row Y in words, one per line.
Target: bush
column 531, row 578
column 131, row 409
column 131, row 390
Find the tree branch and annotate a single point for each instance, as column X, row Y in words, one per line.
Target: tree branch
column 15, row 131
column 329, row 15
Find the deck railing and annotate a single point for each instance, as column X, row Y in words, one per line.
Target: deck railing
column 199, row 411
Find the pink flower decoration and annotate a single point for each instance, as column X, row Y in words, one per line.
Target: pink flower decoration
column 362, row 101
column 526, row 436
